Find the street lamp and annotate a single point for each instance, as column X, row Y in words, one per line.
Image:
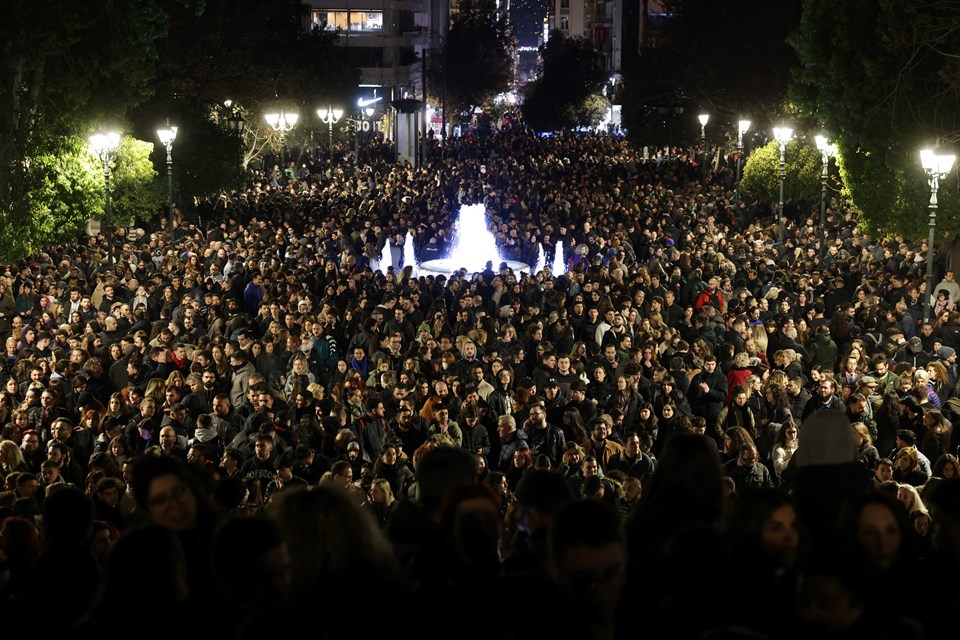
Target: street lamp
column 330, row 116
column 167, row 135
column 703, row 118
column 827, row 151
column 782, row 135
column 282, row 122
column 104, row 146
column 742, row 128
column 937, row 166
column 236, row 123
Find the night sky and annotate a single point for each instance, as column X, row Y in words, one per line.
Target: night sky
column 527, row 18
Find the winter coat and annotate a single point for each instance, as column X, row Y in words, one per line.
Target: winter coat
column 824, row 352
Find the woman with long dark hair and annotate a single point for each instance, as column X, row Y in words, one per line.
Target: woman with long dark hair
column 888, row 418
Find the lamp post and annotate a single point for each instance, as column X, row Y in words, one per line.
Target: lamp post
column 742, row 127
column 329, row 116
column 167, row 135
column 827, row 151
column 236, row 123
column 104, row 146
column 782, row 135
column 282, row 122
column 936, row 165
column 703, row 118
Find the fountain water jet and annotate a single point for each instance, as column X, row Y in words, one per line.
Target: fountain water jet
column 559, row 266
column 386, row 258
column 408, row 254
column 475, row 245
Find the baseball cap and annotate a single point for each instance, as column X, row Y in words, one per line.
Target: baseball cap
column 915, row 345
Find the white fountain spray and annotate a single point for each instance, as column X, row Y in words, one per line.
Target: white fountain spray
column 474, row 247
column 409, row 259
column 559, row 266
column 386, row 258
column 541, row 259
column 475, row 244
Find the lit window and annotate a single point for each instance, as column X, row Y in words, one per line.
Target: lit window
column 352, row 21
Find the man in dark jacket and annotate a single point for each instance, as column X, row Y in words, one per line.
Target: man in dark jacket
column 542, row 436
column 823, row 351
column 511, row 439
column 825, row 400
column 372, row 429
column 8, row 309
column 474, row 434
column 708, row 390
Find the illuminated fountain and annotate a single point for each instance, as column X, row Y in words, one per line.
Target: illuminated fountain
column 386, row 258
column 541, row 259
column 475, row 246
column 408, row 254
column 559, row 265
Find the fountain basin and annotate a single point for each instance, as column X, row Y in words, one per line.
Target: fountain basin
column 446, row 266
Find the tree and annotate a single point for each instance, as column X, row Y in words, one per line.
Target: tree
column 258, row 55
column 135, row 188
column 761, row 172
column 729, row 59
column 63, row 67
column 562, row 97
column 50, row 197
column 883, row 77
column 474, row 63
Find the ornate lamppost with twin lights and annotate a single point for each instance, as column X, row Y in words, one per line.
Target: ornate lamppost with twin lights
column 236, row 124
column 937, row 165
column 167, row 135
column 104, row 145
column 330, row 116
column 282, row 122
column 742, row 127
column 782, row 135
column 827, row 151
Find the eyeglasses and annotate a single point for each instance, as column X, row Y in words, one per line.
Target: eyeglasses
column 163, row 500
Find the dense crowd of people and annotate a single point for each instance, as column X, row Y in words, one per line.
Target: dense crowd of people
column 250, row 422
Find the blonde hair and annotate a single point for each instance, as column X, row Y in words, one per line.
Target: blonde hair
column 384, row 486
column 861, row 428
column 937, row 371
column 917, row 503
column 10, row 455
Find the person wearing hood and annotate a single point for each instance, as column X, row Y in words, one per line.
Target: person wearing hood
column 8, row 308
column 824, row 350
column 825, row 471
column 242, row 370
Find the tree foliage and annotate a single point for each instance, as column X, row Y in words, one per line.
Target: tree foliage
column 67, row 67
column 256, row 54
column 51, row 197
column 562, row 97
column 475, row 61
column 135, row 188
column 63, row 67
column 883, row 76
column 729, row 59
column 252, row 52
column 803, row 165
